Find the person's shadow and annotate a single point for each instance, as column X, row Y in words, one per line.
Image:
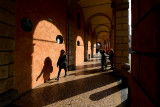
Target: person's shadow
column 47, row 69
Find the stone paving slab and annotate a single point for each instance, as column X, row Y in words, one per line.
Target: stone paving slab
column 87, row 86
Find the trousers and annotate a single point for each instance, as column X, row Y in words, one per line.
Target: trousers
column 65, row 68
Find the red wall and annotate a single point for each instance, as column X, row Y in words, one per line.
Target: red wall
column 33, row 47
column 144, row 79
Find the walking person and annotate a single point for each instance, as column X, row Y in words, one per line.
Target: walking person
column 62, row 63
column 111, row 58
column 103, row 59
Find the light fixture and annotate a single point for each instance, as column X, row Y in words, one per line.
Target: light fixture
column 26, row 24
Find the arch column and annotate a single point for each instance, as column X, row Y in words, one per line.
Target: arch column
column 92, row 45
column 121, row 40
column 85, row 47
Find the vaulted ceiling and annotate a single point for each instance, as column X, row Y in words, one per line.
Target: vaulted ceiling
column 99, row 14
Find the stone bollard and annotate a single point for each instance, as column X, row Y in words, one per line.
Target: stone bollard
column 125, row 67
column 125, row 71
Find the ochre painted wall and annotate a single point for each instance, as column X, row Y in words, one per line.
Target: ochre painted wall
column 79, row 51
column 94, row 44
column 32, row 48
column 89, row 39
column 79, row 36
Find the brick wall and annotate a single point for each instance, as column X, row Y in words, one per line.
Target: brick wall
column 121, row 43
column 143, row 84
column 7, row 51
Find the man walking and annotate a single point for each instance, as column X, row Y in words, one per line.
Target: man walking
column 62, row 63
column 103, row 59
column 111, row 58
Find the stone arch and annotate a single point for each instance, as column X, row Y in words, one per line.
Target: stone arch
column 101, row 25
column 97, row 14
column 103, row 31
column 106, row 40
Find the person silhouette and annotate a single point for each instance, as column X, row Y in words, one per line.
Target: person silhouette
column 62, row 63
column 111, row 58
column 47, row 69
column 103, row 59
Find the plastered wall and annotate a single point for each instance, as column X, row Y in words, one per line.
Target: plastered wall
column 32, row 48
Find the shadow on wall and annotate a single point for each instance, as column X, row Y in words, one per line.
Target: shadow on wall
column 34, row 45
column 38, row 41
column 46, row 44
column 23, row 55
column 47, row 69
column 42, row 43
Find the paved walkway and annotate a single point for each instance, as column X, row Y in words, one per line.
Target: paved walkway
column 87, row 86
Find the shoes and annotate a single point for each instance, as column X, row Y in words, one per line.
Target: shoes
column 57, row 79
column 65, row 75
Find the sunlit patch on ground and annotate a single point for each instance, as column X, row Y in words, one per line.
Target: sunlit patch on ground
column 85, row 87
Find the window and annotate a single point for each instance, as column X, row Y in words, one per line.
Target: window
column 78, row 43
column 59, row 39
